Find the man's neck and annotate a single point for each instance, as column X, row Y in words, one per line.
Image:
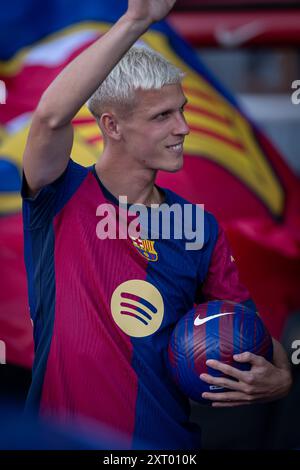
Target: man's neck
column 135, row 183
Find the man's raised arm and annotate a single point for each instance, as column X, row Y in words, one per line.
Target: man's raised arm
column 50, row 138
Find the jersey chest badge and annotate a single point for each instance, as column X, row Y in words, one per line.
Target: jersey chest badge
column 145, row 248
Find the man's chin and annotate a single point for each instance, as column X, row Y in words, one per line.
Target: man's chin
column 172, row 168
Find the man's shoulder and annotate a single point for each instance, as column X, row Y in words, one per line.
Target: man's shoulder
column 72, row 177
column 197, row 217
column 77, row 167
column 174, row 198
column 53, row 197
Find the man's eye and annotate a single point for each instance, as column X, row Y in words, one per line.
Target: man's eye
column 163, row 115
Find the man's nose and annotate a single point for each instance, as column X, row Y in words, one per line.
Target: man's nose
column 181, row 126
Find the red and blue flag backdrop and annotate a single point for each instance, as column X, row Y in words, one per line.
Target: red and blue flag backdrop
column 230, row 166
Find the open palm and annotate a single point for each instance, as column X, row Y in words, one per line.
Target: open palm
column 151, row 10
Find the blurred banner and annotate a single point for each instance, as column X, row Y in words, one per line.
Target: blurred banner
column 239, row 28
column 230, row 166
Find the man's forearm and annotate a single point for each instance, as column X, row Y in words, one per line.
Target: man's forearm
column 78, row 81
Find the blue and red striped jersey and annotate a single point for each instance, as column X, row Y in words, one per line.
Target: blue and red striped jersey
column 104, row 309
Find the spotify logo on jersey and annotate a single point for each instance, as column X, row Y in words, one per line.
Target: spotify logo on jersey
column 137, row 308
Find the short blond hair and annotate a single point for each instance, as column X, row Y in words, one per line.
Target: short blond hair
column 140, row 68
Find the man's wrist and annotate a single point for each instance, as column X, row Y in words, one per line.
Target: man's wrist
column 286, row 381
column 140, row 26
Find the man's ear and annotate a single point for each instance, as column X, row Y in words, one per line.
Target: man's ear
column 110, row 126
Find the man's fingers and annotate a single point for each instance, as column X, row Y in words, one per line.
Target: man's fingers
column 249, row 357
column 229, row 404
column 258, row 399
column 226, row 369
column 222, row 382
column 225, row 396
column 232, row 397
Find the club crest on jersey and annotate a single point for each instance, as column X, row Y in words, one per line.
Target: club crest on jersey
column 145, row 248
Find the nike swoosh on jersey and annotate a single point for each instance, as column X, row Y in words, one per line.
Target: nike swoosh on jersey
column 199, row 321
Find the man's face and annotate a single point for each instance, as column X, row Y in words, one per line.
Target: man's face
column 155, row 129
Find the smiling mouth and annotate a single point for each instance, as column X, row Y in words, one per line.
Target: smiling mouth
column 176, row 147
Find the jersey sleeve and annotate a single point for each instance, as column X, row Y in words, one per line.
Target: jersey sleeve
column 222, row 280
column 41, row 209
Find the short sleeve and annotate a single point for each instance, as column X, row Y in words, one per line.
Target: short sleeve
column 40, row 209
column 222, row 280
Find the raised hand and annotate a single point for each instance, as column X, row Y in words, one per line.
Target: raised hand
column 149, row 10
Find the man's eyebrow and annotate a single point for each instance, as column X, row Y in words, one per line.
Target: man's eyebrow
column 166, row 110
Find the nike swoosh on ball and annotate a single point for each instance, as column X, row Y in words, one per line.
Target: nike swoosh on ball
column 199, row 321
